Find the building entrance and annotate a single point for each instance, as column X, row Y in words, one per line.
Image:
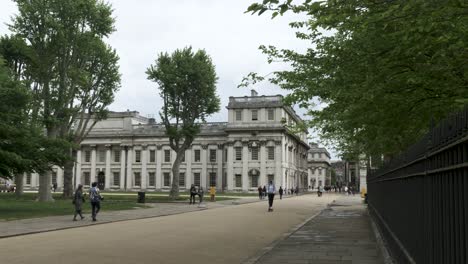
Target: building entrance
column 101, row 180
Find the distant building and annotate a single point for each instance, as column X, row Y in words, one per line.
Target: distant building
column 339, row 167
column 318, row 163
column 128, row 152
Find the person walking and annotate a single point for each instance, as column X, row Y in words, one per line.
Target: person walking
column 212, row 193
column 264, row 192
column 200, row 194
column 95, row 198
column 260, row 192
column 193, row 192
column 281, row 192
column 78, row 200
column 271, row 195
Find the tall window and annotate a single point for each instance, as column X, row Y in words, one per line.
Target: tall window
column 54, row 177
column 87, row 177
column 116, row 155
column 254, row 115
column 238, row 178
column 225, row 155
column 254, row 151
column 182, row 180
column 254, row 181
column 213, row 179
column 271, row 177
column 196, row 155
column 87, row 156
column 167, row 155
column 271, row 114
column 271, row 153
column 102, row 156
column 183, row 157
column 116, row 180
column 137, row 155
column 167, row 179
column 238, row 115
column 152, row 179
column 196, row 179
column 152, row 155
column 137, row 179
column 238, row 153
column 212, row 155
column 28, row 179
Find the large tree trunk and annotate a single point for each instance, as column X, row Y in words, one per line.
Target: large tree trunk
column 68, row 178
column 19, row 185
column 174, row 193
column 45, row 184
column 68, row 175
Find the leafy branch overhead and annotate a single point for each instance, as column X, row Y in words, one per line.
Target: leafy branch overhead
column 382, row 69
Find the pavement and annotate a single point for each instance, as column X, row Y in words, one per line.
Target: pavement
column 53, row 223
column 340, row 234
column 304, row 229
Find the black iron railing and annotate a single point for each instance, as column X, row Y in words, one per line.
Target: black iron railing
column 420, row 199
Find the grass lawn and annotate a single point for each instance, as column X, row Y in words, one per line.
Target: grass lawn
column 12, row 208
column 207, row 193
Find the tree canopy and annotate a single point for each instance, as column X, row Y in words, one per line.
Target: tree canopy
column 22, row 148
column 57, row 51
column 383, row 69
column 187, row 84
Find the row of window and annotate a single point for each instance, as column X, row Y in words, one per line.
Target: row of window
column 152, row 156
column 167, row 179
column 196, row 157
column 253, row 180
column 254, row 153
column 254, row 114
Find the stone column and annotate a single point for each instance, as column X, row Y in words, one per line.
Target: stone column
column 158, row 167
column 219, row 173
column 230, row 166
column 204, row 171
column 108, row 174
column 93, row 164
column 122, row 167
column 188, row 170
column 245, row 166
column 263, row 154
column 129, row 182
column 144, row 173
column 279, row 176
column 77, row 170
column 59, row 179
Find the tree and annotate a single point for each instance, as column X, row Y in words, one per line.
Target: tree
column 72, row 74
column 187, row 85
column 383, row 69
column 22, row 149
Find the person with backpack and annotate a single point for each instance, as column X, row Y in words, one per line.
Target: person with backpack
column 281, row 192
column 95, row 198
column 193, row 192
column 271, row 195
column 78, row 200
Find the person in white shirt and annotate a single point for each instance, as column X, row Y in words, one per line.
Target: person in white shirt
column 271, row 190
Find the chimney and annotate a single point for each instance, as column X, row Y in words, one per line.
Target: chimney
column 253, row 92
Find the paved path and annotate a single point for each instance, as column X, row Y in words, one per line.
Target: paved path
column 228, row 234
column 51, row 223
column 340, row 234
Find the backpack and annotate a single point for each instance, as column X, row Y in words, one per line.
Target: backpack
column 94, row 195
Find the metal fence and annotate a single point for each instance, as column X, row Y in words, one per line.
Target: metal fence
column 420, row 199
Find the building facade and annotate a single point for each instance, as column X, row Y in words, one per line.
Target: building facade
column 319, row 167
column 128, row 152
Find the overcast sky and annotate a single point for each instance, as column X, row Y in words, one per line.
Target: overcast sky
column 144, row 28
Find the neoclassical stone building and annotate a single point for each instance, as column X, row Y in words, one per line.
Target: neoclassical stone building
column 319, row 166
column 128, row 152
